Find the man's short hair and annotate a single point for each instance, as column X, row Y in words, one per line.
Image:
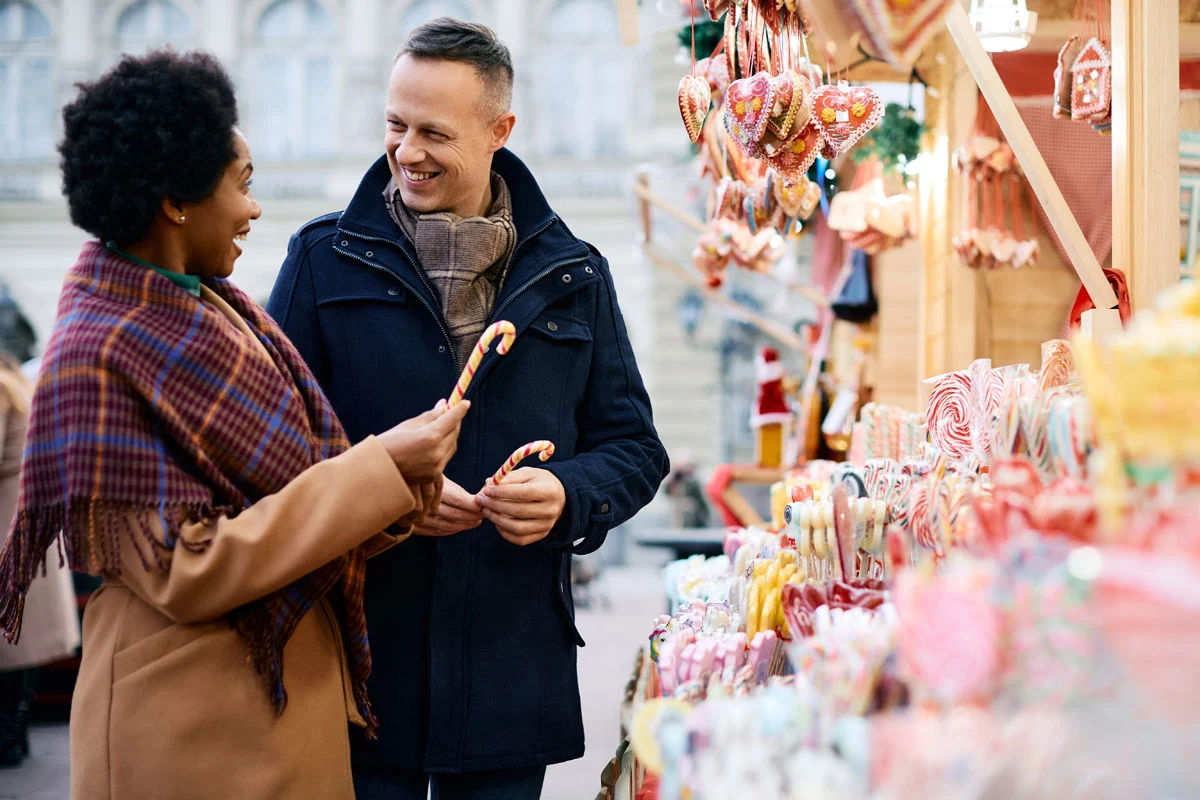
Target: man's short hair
column 449, row 39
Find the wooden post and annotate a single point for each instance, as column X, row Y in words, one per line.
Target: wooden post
column 1145, row 144
column 627, row 20
column 1059, row 213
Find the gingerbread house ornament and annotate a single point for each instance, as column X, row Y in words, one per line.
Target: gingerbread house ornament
column 771, row 413
column 1091, row 82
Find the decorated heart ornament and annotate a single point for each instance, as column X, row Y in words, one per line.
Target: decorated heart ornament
column 793, row 104
column 892, row 216
column 695, row 96
column 730, row 195
column 716, row 72
column 793, row 159
column 1004, row 248
column 716, row 8
column 790, row 197
column 711, row 255
column 748, row 105
column 845, row 113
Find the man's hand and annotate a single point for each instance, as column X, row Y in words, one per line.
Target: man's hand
column 525, row 507
column 457, row 513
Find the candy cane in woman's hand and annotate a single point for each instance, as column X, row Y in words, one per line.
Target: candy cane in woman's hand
column 546, row 449
column 503, row 329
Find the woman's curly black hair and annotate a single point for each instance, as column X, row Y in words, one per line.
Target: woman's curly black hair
column 156, row 126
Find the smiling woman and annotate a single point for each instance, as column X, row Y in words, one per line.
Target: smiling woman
column 179, row 448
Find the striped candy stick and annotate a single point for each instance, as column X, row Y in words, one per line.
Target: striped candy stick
column 545, row 448
column 503, row 329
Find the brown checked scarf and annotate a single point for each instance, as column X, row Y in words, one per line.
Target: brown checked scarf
column 466, row 259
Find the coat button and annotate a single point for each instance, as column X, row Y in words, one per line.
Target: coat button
column 566, row 278
column 393, row 292
column 552, row 326
column 441, row 348
column 604, row 508
column 345, row 243
column 369, row 254
column 588, row 270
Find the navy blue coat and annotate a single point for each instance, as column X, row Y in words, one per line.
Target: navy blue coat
column 473, row 639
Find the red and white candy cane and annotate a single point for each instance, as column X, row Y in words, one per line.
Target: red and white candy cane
column 546, row 449
column 503, row 329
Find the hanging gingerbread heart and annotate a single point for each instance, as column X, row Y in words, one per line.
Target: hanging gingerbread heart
column 716, row 8
column 845, row 114
column 812, row 199
column 694, row 99
column 793, row 159
column 748, row 105
column 716, row 72
column 711, row 255
column 791, row 196
column 793, row 104
column 730, row 195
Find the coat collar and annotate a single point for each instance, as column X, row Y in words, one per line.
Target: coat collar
column 542, row 239
column 367, row 213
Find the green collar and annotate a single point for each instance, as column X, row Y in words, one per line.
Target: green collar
column 189, row 283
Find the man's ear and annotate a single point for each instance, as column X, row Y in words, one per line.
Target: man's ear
column 502, row 128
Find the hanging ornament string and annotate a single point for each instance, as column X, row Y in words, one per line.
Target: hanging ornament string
column 693, row 8
column 998, row 204
column 1014, row 193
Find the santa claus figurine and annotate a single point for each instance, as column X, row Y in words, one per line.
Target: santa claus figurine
column 771, row 413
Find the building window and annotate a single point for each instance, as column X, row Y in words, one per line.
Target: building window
column 26, row 83
column 421, row 11
column 582, row 77
column 295, row 117
column 149, row 24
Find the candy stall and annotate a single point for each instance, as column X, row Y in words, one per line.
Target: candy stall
column 975, row 573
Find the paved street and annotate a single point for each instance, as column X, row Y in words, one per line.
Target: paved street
column 612, row 634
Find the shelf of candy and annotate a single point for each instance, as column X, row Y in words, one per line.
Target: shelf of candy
column 955, row 617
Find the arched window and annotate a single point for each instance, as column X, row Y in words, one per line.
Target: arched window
column 294, row 112
column 421, row 11
column 583, row 93
column 148, row 24
column 26, row 83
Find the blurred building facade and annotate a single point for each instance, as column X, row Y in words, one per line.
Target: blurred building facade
column 311, row 78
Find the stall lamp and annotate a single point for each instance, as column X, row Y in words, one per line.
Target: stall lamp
column 1002, row 25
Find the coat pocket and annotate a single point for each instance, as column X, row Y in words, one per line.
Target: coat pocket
column 566, row 602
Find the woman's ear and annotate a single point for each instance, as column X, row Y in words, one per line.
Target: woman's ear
column 172, row 209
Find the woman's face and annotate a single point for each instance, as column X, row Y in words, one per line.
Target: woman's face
column 216, row 224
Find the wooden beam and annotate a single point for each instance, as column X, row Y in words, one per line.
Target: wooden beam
column 1145, row 134
column 735, row 309
column 1079, row 252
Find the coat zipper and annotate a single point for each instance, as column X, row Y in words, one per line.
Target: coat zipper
column 437, row 316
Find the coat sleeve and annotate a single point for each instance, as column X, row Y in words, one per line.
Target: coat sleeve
column 293, row 304
column 329, row 509
column 620, row 460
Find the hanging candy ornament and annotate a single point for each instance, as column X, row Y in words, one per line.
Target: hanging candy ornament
column 793, row 159
column 845, row 114
column 1091, row 82
column 695, row 96
column 748, row 106
column 1063, row 76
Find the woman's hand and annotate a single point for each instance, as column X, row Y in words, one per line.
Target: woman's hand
column 421, row 447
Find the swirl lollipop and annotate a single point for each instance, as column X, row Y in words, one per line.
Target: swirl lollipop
column 949, row 415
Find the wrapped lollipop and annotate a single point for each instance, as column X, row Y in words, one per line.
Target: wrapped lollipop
column 949, row 414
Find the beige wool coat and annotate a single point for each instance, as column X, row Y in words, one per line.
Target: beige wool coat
column 168, row 705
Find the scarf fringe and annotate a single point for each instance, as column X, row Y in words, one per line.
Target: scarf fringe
column 87, row 533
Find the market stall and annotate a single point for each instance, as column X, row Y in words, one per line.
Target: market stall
column 975, row 576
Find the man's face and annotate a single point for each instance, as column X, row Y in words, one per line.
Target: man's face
column 441, row 135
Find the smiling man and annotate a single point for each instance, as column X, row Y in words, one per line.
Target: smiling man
column 471, row 622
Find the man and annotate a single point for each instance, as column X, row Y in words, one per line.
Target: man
column 473, row 634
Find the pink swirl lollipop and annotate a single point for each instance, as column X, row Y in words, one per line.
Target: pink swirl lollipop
column 921, row 522
column 949, row 414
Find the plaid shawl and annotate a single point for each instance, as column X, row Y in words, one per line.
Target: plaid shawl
column 150, row 405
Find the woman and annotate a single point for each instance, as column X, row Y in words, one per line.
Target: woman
column 184, row 452
column 53, row 623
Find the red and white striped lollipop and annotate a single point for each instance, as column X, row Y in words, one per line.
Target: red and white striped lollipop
column 948, row 412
